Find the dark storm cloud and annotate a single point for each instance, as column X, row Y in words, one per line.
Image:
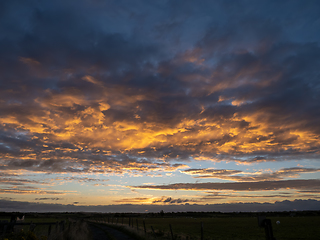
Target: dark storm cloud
column 146, row 80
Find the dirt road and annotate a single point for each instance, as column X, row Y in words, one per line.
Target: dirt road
column 103, row 232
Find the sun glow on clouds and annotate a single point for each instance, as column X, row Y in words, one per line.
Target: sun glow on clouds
column 103, row 111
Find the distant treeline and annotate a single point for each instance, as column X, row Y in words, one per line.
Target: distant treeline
column 163, row 214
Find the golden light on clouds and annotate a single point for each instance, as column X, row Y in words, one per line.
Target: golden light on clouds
column 211, row 107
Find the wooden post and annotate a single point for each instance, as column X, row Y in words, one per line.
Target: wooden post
column 32, row 227
column 122, row 220
column 57, row 227
column 268, row 229
column 137, row 224
column 5, row 229
column 62, row 226
column 266, row 224
column 201, row 231
column 171, row 232
column 153, row 232
column 49, row 230
column 144, row 226
column 117, row 221
column 129, row 221
column 10, row 226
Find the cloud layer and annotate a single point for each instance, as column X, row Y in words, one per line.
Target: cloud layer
column 113, row 88
column 297, row 205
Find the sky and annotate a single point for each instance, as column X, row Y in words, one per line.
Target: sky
column 159, row 105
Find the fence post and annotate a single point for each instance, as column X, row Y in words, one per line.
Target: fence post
column 144, row 226
column 122, row 220
column 5, row 229
column 153, row 232
column 201, row 231
column 268, row 229
column 137, row 224
column 49, row 230
column 266, row 223
column 32, row 227
column 171, row 231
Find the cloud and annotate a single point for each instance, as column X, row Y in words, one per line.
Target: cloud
column 133, row 200
column 170, row 200
column 155, row 200
column 211, row 172
column 98, row 163
column 84, row 179
column 225, row 174
column 296, row 205
column 30, row 190
column 98, row 89
column 239, row 186
column 113, row 88
column 18, row 181
column 43, row 199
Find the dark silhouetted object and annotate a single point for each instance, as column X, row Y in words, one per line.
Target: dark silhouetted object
column 266, row 224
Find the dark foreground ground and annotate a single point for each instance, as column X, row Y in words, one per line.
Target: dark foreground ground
column 103, row 232
column 186, row 225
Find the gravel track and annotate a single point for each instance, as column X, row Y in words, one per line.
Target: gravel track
column 102, row 232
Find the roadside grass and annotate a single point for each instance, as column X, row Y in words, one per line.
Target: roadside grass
column 133, row 233
column 74, row 231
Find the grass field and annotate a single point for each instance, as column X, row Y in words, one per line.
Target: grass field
column 239, row 228
column 41, row 231
column 73, row 229
column 217, row 226
column 225, row 228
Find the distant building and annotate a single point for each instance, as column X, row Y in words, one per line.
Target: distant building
column 17, row 218
column 20, row 218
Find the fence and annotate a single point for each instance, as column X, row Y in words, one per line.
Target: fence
column 8, row 227
column 144, row 230
column 203, row 231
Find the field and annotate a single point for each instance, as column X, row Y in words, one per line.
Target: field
column 238, row 227
column 40, row 230
column 57, row 227
column 223, row 227
column 218, row 226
